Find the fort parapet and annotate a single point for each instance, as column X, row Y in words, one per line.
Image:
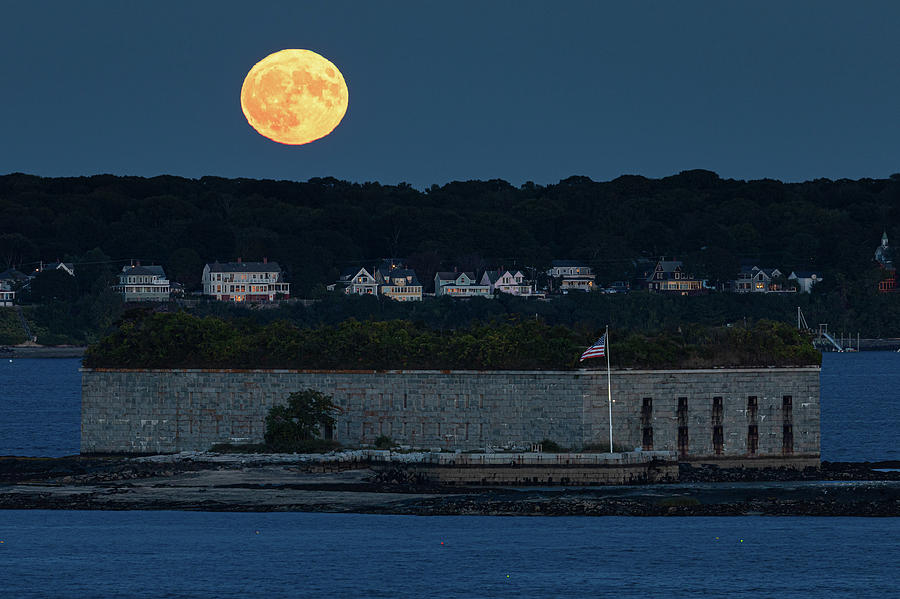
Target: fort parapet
column 733, row 416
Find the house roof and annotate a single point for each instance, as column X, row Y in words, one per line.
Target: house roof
column 670, row 265
column 497, row 274
column 352, row 271
column 400, row 273
column 244, row 267
column 67, row 266
column 452, row 276
column 493, row 275
column 11, row 274
column 144, row 270
column 668, row 268
column 567, row 263
column 749, row 268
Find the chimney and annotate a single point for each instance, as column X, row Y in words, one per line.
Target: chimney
column 138, row 262
column 239, row 259
column 265, row 260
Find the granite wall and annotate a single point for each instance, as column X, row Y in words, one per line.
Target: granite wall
column 699, row 413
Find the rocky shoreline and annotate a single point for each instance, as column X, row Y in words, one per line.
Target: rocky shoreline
column 209, row 482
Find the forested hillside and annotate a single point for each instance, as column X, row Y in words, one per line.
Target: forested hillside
column 315, row 228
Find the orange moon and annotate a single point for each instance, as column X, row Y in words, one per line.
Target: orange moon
column 294, row 97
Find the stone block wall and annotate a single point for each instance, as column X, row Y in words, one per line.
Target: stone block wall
column 709, row 411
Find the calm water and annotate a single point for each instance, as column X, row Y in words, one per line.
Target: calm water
column 75, row 554
column 191, row 554
column 40, row 407
column 860, row 414
column 40, row 403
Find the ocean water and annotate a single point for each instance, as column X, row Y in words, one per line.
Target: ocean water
column 40, row 406
column 860, row 406
column 162, row 554
column 60, row 554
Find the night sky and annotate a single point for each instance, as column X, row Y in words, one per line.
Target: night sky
column 443, row 91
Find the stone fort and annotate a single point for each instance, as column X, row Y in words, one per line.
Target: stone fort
column 737, row 416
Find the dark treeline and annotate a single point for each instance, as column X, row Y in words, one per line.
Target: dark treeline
column 180, row 340
column 632, row 313
column 315, row 228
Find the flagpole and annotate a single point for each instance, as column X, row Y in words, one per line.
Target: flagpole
column 609, row 389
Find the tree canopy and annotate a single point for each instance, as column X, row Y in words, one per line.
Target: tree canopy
column 181, row 340
column 315, row 228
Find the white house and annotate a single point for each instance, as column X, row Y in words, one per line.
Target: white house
column 459, row 284
column 806, row 279
column 669, row 277
column 358, row 281
column 399, row 284
column 245, row 281
column 143, row 284
column 572, row 275
column 7, row 295
column 757, row 280
column 507, row 281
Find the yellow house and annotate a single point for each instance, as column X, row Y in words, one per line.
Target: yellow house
column 399, row 284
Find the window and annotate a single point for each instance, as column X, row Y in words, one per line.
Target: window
column 752, row 439
column 718, row 439
column 752, row 407
column 683, row 441
column 647, row 424
column 717, row 411
column 682, row 417
column 682, row 414
column 787, row 439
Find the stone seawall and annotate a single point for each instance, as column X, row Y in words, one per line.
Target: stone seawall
column 701, row 414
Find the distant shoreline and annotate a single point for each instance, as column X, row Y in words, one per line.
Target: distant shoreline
column 41, row 351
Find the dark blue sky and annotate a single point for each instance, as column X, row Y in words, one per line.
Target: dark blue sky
column 443, row 91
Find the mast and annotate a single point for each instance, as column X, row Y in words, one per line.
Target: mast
column 609, row 390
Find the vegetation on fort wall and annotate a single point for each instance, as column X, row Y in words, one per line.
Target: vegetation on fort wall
column 300, row 425
column 183, row 341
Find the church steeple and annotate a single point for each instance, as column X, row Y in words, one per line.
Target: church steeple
column 884, row 255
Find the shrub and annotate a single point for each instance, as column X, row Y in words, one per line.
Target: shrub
column 551, row 446
column 297, row 426
column 604, row 448
column 384, row 442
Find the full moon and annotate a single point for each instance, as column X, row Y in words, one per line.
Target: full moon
column 294, row 97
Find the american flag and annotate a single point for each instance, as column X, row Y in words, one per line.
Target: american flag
column 598, row 350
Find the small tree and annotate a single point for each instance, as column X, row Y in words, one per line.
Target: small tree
column 293, row 426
